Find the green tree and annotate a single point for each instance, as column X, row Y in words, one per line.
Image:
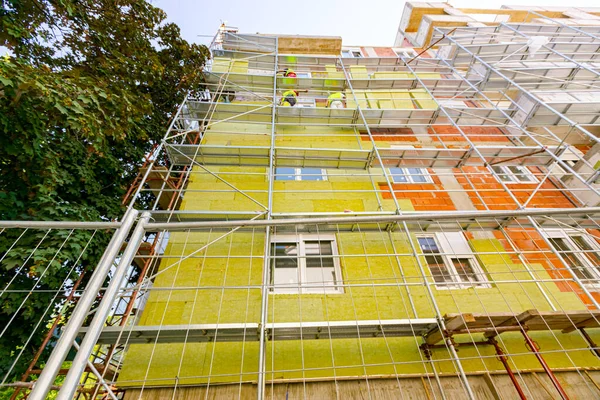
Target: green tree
column 86, row 91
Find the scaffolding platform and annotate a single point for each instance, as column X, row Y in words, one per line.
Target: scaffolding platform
column 427, row 157
column 492, row 324
column 198, row 333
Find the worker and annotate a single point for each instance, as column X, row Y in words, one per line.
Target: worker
column 226, row 96
column 289, row 98
column 336, row 100
column 288, row 73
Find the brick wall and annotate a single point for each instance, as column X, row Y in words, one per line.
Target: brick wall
column 492, row 194
column 384, row 52
column 536, row 251
column 449, row 134
column 424, row 197
column 390, row 135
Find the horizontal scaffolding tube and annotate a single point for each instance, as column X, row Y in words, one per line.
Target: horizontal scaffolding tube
column 418, row 216
column 59, row 225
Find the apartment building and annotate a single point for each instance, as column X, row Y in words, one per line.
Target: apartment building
column 437, row 236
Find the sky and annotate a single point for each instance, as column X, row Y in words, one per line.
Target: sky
column 358, row 22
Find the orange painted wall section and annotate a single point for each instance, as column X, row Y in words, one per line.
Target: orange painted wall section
column 449, row 134
column 384, row 52
column 536, row 251
column 424, row 197
column 492, row 194
column 390, row 135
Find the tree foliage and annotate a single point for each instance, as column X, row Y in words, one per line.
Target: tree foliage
column 87, row 89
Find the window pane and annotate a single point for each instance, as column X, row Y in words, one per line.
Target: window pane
column 285, row 174
column 346, row 54
column 520, row 173
column 398, row 175
column 501, row 174
column 592, row 254
column 311, row 174
column 322, row 247
column 284, row 267
column 438, row 269
column 428, row 245
column 417, row 175
column 320, row 267
column 570, row 258
column 322, row 276
column 464, row 267
column 435, row 261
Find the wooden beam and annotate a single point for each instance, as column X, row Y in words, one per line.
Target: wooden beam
column 453, row 322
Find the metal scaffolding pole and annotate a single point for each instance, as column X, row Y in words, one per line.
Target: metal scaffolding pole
column 557, row 21
column 264, row 306
column 439, row 317
column 516, row 85
column 535, row 350
column 73, row 378
column 65, row 342
column 406, row 217
column 552, row 154
column 552, row 50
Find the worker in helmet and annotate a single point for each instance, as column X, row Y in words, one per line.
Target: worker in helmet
column 288, row 73
column 289, row 98
column 226, row 96
column 336, row 100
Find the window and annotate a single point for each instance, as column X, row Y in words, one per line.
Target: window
column 514, row 174
column 352, row 53
column 305, row 264
column 451, row 261
column 300, row 174
column 406, row 53
column 579, row 251
column 410, row 175
column 305, row 102
column 569, row 156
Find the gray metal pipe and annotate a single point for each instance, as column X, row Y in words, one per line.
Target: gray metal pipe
column 418, row 216
column 59, row 225
column 73, row 378
column 65, row 342
column 90, row 365
column 264, row 292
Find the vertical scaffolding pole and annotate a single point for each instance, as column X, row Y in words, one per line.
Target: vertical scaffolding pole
column 590, row 341
column 264, row 307
column 439, row 317
column 72, row 379
column 504, row 360
column 65, row 342
column 47, row 338
column 535, row 350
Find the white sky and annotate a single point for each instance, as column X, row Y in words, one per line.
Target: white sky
column 358, row 22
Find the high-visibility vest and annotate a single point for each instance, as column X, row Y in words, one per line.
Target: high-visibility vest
column 335, row 96
column 287, row 94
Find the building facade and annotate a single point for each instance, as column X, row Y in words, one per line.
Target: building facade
column 433, row 237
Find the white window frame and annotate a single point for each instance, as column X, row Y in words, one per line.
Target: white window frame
column 303, row 75
column 512, row 177
column 300, row 240
column 351, row 51
column 405, row 52
column 453, row 103
column 410, row 177
column 567, row 236
column 305, row 102
column 298, row 175
column 454, row 245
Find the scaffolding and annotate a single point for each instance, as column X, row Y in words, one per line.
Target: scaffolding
column 439, row 235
